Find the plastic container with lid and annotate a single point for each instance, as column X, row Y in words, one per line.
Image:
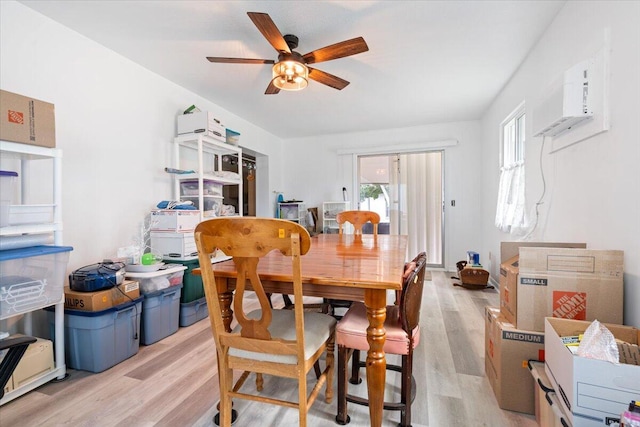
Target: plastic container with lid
column 7, row 190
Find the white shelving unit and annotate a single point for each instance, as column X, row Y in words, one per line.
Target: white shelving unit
column 329, row 212
column 293, row 211
column 27, row 155
column 204, row 155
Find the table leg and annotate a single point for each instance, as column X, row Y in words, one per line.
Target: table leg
column 376, row 301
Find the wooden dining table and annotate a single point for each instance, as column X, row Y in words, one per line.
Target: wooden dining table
column 338, row 266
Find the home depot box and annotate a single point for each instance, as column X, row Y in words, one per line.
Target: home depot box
column 26, row 120
column 579, row 284
column 591, row 391
column 174, row 220
column 202, row 122
column 101, row 300
column 509, row 269
column 507, row 352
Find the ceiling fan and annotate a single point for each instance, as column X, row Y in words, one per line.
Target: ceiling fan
column 291, row 71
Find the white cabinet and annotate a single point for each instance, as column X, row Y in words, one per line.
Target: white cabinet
column 329, row 212
column 293, row 211
column 36, row 224
column 204, row 155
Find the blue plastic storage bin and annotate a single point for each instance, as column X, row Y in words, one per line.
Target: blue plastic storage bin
column 191, row 312
column 97, row 340
column 160, row 314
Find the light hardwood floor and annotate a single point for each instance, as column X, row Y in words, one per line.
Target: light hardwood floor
column 174, row 381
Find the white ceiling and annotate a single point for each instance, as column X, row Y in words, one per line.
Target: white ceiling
column 428, row 61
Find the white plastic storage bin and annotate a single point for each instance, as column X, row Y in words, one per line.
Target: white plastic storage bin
column 97, row 340
column 160, row 314
column 7, row 190
column 189, row 187
column 31, row 278
column 30, row 214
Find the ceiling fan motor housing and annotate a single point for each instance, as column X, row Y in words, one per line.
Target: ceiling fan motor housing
column 292, row 41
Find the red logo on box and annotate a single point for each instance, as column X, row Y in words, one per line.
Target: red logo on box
column 570, row 305
column 491, row 348
column 15, row 117
column 506, row 295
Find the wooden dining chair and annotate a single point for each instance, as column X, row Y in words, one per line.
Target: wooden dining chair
column 358, row 219
column 285, row 343
column 403, row 335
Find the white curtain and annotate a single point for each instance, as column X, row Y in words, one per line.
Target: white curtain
column 421, row 203
column 510, row 210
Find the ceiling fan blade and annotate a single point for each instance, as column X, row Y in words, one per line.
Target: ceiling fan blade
column 327, row 79
column 271, row 89
column 240, row 60
column 269, row 31
column 338, row 50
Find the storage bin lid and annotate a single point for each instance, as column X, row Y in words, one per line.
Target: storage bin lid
column 32, row 251
column 8, row 173
column 84, row 313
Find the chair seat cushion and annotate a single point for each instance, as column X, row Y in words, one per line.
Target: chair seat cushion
column 318, row 327
column 351, row 331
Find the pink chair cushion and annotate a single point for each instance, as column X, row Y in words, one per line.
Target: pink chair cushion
column 351, row 330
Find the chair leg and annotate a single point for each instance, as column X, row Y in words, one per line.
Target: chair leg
column 406, row 391
column 355, row 368
column 343, row 355
column 302, row 399
column 330, row 369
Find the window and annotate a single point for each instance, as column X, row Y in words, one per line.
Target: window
column 510, row 214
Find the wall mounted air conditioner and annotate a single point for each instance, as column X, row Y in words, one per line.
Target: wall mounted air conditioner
column 567, row 105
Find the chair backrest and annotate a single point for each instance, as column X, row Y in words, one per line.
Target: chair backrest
column 411, row 298
column 247, row 240
column 358, row 219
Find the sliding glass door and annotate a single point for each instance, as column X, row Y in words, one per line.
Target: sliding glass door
column 407, row 191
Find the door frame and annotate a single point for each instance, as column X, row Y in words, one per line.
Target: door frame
column 390, row 152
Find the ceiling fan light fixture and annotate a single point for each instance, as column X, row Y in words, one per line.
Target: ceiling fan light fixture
column 290, row 75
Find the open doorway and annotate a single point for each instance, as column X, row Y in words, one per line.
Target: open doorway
column 230, row 192
column 406, row 190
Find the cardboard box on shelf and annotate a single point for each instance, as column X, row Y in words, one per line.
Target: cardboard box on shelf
column 101, row 300
column 581, row 284
column 507, row 351
column 591, row 391
column 26, row 120
column 36, row 361
column 202, row 122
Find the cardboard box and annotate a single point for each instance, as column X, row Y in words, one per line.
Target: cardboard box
column 174, row 220
column 202, row 122
column 549, row 413
column 509, row 289
column 510, row 249
column 579, row 284
column 101, row 300
column 26, row 120
column 36, row 361
column 591, row 391
column 174, row 245
column 507, row 352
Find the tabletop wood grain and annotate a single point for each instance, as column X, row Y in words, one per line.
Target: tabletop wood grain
column 344, row 260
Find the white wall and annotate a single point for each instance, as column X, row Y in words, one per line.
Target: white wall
column 593, row 187
column 320, row 173
column 115, row 122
